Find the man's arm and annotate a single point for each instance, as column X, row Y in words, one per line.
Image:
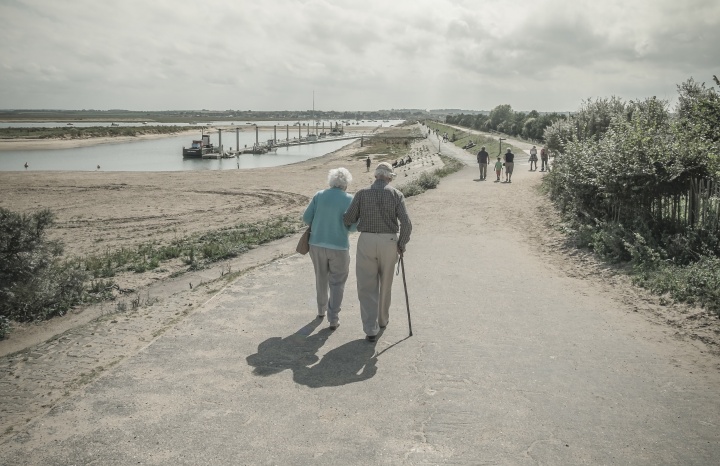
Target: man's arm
column 405, row 225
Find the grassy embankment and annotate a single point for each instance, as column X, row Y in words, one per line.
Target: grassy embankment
column 396, row 144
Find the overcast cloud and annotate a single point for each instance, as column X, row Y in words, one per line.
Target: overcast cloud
column 356, row 55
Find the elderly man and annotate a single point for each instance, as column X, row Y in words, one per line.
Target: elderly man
column 483, row 158
column 377, row 210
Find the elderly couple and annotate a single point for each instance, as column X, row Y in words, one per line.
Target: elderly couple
column 375, row 213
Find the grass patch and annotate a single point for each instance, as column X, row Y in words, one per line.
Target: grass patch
column 696, row 283
column 430, row 180
column 195, row 251
column 389, row 145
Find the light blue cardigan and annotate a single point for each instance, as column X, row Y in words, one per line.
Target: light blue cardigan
column 325, row 217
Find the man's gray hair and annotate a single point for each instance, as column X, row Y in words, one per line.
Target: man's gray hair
column 385, row 173
column 339, row 178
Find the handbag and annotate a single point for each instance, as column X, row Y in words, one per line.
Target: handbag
column 303, row 245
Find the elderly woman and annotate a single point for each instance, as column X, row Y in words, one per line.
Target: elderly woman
column 329, row 244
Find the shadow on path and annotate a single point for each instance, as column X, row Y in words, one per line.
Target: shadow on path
column 354, row 361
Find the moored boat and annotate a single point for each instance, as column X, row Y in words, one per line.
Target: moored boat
column 200, row 148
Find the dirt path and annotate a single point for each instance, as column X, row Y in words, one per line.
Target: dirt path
column 521, row 355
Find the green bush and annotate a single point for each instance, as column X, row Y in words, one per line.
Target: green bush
column 411, row 189
column 428, row 180
column 618, row 168
column 34, row 283
column 696, row 283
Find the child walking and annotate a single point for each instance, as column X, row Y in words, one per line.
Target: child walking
column 498, row 168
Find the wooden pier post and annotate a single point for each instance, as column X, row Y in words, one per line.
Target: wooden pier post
column 287, row 134
column 257, row 141
column 220, row 140
column 275, row 134
column 237, row 138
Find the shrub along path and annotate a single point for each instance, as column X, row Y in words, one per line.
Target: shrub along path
column 520, row 356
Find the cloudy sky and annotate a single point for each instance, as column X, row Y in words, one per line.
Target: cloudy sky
column 546, row 55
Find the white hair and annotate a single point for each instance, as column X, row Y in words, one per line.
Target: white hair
column 384, row 173
column 339, row 178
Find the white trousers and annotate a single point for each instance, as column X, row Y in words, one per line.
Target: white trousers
column 331, row 272
column 374, row 266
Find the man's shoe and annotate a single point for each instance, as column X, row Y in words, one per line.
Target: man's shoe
column 334, row 326
column 371, row 338
column 321, row 316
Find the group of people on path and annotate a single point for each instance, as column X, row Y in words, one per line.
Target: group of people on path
column 379, row 214
column 507, row 163
column 544, row 155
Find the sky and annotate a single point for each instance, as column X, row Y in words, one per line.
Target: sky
column 545, row 55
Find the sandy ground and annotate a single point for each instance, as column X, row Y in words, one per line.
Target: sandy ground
column 104, row 211
column 525, row 352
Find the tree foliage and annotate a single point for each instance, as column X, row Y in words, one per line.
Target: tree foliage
column 34, row 283
column 504, row 120
column 623, row 172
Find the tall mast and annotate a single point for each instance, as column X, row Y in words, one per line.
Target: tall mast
column 313, row 112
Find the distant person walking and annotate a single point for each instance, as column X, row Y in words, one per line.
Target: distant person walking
column 367, row 164
column 377, row 211
column 329, row 245
column 533, row 158
column 498, row 168
column 509, row 165
column 483, row 158
column 544, row 159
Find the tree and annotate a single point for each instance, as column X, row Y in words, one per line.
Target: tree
column 499, row 115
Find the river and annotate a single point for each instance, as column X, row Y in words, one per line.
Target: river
column 165, row 154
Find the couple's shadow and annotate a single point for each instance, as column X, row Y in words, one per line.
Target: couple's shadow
column 354, row 361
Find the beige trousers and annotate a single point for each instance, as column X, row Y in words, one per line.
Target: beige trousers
column 331, row 272
column 374, row 266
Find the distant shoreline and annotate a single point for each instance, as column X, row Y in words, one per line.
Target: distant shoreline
column 58, row 143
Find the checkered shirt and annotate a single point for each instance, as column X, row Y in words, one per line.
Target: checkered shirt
column 377, row 209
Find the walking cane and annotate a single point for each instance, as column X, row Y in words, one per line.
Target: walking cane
column 407, row 301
